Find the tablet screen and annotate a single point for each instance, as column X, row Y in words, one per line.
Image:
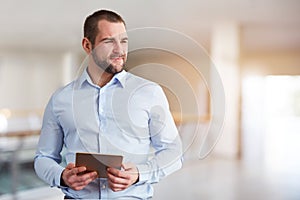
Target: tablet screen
column 98, row 162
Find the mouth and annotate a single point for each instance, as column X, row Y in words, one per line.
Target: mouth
column 115, row 57
column 118, row 60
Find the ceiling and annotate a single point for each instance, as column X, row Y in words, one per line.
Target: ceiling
column 266, row 25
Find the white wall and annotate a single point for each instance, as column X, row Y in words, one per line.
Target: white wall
column 28, row 78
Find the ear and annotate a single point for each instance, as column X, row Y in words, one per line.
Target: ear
column 86, row 45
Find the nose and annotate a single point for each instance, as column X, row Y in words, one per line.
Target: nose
column 118, row 48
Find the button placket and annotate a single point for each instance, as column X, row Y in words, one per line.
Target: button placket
column 104, row 189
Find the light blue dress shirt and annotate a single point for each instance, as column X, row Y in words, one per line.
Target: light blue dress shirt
column 129, row 116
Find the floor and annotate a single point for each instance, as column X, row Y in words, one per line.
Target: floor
column 217, row 179
column 209, row 179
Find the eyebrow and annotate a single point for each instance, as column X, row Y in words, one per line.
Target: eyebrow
column 111, row 38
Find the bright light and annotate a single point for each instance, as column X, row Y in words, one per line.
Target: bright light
column 6, row 112
column 3, row 123
column 282, row 124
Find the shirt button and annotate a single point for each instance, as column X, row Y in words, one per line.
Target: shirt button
column 103, row 186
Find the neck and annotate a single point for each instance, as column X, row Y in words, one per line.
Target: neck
column 99, row 76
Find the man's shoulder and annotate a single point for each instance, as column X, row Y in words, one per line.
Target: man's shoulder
column 63, row 92
column 133, row 79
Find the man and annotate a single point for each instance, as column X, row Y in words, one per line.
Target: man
column 109, row 111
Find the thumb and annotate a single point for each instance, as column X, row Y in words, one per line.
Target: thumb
column 127, row 166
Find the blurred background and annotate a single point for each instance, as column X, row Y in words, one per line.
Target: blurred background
column 254, row 45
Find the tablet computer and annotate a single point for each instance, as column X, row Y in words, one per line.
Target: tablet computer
column 98, row 162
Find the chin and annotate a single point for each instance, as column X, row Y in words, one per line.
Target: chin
column 114, row 69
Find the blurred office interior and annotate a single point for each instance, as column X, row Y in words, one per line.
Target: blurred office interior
column 253, row 45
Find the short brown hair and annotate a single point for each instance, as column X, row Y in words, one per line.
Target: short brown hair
column 90, row 28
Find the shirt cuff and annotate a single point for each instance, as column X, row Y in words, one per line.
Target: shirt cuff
column 58, row 173
column 144, row 174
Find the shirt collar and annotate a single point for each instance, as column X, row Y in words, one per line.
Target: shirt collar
column 118, row 78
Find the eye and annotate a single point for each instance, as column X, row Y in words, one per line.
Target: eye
column 108, row 41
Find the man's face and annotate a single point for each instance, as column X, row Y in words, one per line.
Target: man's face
column 110, row 47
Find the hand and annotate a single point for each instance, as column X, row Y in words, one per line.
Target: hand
column 119, row 180
column 75, row 181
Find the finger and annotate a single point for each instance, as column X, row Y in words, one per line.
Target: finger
column 89, row 175
column 77, row 170
column 83, row 180
column 127, row 166
column 78, row 186
column 116, row 187
column 71, row 174
column 130, row 168
column 117, row 180
column 117, row 173
column 70, row 166
column 83, row 183
column 124, row 166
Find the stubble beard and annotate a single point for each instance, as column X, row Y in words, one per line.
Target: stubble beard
column 104, row 65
